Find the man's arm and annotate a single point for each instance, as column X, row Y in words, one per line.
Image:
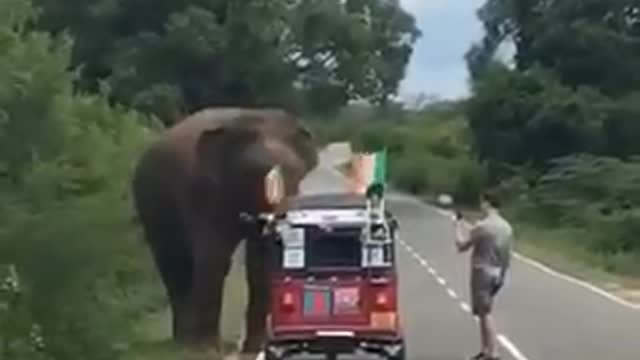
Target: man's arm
column 465, row 236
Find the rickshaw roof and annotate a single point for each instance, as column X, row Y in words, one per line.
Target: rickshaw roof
column 329, row 201
column 335, row 208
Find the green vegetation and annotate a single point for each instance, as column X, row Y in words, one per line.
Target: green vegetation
column 85, row 84
column 556, row 132
column 172, row 57
column 77, row 280
column 562, row 125
column 428, row 151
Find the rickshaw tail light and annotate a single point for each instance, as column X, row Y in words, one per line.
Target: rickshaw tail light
column 287, row 302
column 382, row 301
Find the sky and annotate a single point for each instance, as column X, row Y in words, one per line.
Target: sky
column 437, row 66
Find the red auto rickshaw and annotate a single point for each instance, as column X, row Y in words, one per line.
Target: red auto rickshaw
column 334, row 281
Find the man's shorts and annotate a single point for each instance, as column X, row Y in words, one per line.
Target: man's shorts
column 485, row 284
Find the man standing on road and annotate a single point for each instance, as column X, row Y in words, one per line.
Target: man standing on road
column 490, row 241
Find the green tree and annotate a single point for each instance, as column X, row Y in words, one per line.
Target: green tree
column 585, row 42
column 64, row 223
column 175, row 56
column 572, row 87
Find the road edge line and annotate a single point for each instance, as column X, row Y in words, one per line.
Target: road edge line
column 511, row 347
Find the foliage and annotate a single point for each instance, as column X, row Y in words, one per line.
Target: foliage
column 21, row 337
column 64, row 221
column 573, row 86
column 66, row 154
column 176, row 56
column 530, row 118
column 428, row 151
column 584, row 42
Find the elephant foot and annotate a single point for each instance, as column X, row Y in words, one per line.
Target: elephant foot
column 201, row 345
column 252, row 345
column 197, row 340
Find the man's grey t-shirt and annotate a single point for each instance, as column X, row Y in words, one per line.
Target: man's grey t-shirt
column 492, row 238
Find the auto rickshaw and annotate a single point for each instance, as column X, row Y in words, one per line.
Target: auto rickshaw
column 334, row 280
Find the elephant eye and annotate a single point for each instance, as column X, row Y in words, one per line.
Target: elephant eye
column 305, row 132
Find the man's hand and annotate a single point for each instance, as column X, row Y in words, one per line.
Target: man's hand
column 463, row 236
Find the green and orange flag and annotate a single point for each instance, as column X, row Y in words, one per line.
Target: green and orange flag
column 370, row 173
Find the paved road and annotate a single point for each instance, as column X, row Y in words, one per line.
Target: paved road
column 539, row 316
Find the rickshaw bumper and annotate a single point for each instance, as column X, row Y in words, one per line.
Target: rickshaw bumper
column 344, row 342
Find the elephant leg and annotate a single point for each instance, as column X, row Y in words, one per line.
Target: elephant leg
column 258, row 256
column 213, row 255
column 174, row 263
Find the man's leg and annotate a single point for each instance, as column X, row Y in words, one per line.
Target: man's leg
column 482, row 292
column 488, row 336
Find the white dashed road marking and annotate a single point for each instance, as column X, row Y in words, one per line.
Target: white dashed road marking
column 465, row 307
column 507, row 344
column 452, row 294
column 502, row 339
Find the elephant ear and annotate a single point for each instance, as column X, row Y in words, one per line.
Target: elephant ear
column 218, row 149
column 305, row 145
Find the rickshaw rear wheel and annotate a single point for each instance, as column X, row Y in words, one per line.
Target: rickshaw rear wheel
column 331, row 356
column 399, row 356
column 271, row 356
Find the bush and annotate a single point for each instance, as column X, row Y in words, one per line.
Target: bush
column 83, row 273
column 427, row 154
column 472, row 180
column 596, row 194
column 410, row 174
column 64, row 216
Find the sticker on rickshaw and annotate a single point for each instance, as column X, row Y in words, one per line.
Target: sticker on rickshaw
column 346, row 300
column 293, row 241
column 383, row 320
column 293, row 237
column 293, row 259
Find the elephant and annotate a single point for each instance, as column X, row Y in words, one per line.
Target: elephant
column 192, row 188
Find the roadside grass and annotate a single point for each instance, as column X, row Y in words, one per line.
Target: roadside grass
column 154, row 332
column 560, row 249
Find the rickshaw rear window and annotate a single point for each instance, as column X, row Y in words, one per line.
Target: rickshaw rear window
column 334, row 250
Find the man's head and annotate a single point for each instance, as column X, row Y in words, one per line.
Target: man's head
column 490, row 201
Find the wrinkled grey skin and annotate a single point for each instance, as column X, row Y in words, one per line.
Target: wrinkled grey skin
column 189, row 189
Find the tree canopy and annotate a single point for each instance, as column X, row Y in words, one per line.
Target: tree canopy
column 172, row 57
column 565, row 117
column 574, row 85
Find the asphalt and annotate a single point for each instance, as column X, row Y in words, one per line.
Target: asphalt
column 539, row 316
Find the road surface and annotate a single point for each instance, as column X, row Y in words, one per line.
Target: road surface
column 540, row 316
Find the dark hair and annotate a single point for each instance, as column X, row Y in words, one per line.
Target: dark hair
column 492, row 198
